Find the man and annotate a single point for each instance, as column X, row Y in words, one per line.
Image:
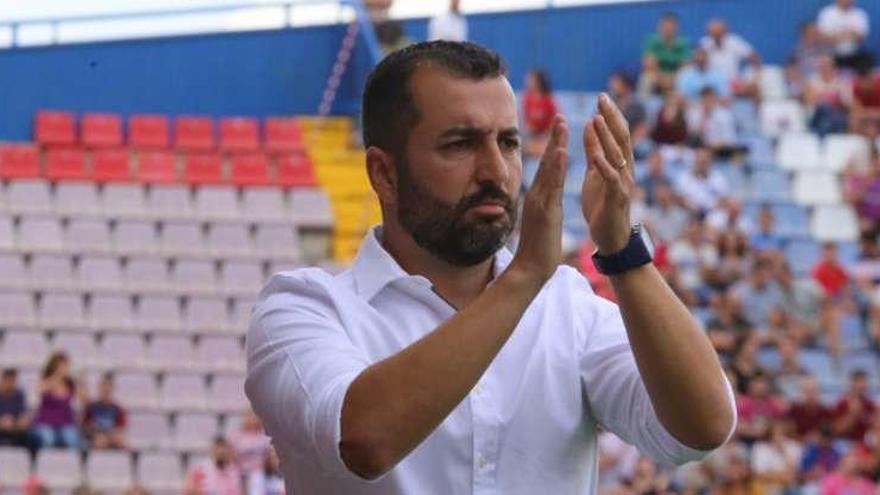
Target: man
column 854, row 411
column 699, row 75
column 766, row 240
column 845, row 27
column 702, row 187
column 809, row 414
column 713, row 124
column 217, row 475
column 726, row 51
column 666, row 46
column 450, row 25
column 105, row 420
column 14, row 420
column 759, row 294
column 441, row 363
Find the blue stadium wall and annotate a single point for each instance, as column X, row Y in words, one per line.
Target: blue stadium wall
column 285, row 72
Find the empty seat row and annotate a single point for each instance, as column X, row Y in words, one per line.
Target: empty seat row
column 148, row 131
column 803, row 150
column 138, row 238
column 156, row 167
column 122, row 313
column 208, row 203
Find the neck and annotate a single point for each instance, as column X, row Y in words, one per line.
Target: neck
column 456, row 284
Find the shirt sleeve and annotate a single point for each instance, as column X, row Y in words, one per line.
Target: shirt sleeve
column 300, row 365
column 616, row 393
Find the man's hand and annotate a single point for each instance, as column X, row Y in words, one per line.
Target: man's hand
column 609, row 184
column 540, row 243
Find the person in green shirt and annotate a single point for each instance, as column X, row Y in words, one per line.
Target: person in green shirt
column 667, row 46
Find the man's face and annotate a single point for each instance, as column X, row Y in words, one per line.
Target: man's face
column 106, row 390
column 845, row 4
column 859, row 385
column 717, row 29
column 222, row 454
column 668, row 28
column 811, row 389
column 700, row 59
column 458, row 184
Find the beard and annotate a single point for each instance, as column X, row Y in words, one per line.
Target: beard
column 444, row 230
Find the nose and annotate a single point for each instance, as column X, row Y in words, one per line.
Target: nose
column 492, row 165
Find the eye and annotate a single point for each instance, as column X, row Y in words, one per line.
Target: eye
column 510, row 144
column 461, row 144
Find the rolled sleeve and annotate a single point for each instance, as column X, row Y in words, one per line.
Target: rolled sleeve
column 617, row 395
column 300, row 365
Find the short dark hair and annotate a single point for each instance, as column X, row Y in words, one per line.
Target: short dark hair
column 707, row 91
column 858, row 374
column 669, row 16
column 388, row 108
column 10, row 373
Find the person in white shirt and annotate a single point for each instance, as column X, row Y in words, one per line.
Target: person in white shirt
column 726, row 51
column 450, row 25
column 845, row 27
column 713, row 124
column 702, row 187
column 443, row 363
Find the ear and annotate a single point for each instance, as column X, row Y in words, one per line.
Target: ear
column 382, row 171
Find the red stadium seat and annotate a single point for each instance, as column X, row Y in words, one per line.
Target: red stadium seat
column 195, row 133
column 239, row 134
column 157, row 167
column 203, row 168
column 250, row 170
column 19, row 161
column 54, row 128
column 148, row 131
column 283, row 135
column 111, row 165
column 295, row 170
column 101, row 130
column 66, row 164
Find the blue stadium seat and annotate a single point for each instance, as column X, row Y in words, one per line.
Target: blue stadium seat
column 866, row 361
column 745, row 113
column 802, row 255
column 761, row 152
column 819, row 364
column 848, row 253
column 792, row 221
column 769, row 358
column 770, row 186
column 735, row 176
column 852, row 333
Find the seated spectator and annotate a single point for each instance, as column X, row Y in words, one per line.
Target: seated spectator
column 450, row 25
column 748, row 83
column 727, row 51
column 652, row 81
column 809, row 414
column 105, row 420
column 866, row 99
column 820, row 457
column 54, row 421
column 795, row 81
column 666, row 46
column 828, row 95
column 830, row 274
column 702, row 187
column 728, row 217
column 391, row 35
column 854, row 412
column 744, row 365
column 810, row 48
column 217, row 475
column 698, row 75
column 620, row 89
column 847, row 479
column 14, row 420
column 862, row 191
column 671, row 125
column 250, row 444
column 267, row 480
column 758, row 409
column 766, row 240
column 692, row 255
column 732, row 264
column 807, row 311
column 540, row 108
column 790, row 369
column 727, row 327
column 654, row 176
column 668, row 218
column 845, row 27
column 712, row 124
column 759, row 294
column 775, row 461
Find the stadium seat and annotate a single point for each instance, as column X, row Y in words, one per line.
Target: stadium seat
column 194, row 133
column 66, row 164
column 181, row 239
column 134, row 237
column 310, row 207
column 839, row 150
column 798, row 151
column 98, row 273
column 782, row 116
column 194, row 431
column 241, row 315
column 202, row 169
column 125, row 352
column 251, row 169
column 160, row 472
column 40, row 234
column 837, row 223
column 61, row 311
column 87, row 236
column 170, row 201
column 769, row 186
column 219, row 353
column 277, row 241
column 50, row 271
column 816, row 188
column 7, row 234
column 101, row 130
column 232, row 240
column 226, row 394
column 802, row 255
column 81, row 346
column 136, row 390
column 77, row 199
column 111, row 166
column 205, row 314
column 194, row 276
column 183, row 392
column 216, row 203
column 263, row 204
column 853, row 334
column 146, row 274
column 16, row 464
column 148, row 431
column 109, row 470
column 55, row 128
column 239, row 134
column 282, row 135
column 772, row 82
column 148, row 131
column 13, row 273
column 19, row 161
column 110, row 312
column 19, row 309
column 21, row 348
column 59, row 469
column 29, row 196
column 761, row 153
column 157, row 167
column 791, row 220
column 241, row 277
column 295, row 170
column 157, row 313
column 170, row 352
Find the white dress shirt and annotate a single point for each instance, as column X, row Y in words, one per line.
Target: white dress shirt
column 833, row 20
column 528, row 426
column 728, row 55
column 448, row 26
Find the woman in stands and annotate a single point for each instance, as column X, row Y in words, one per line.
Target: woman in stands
column 540, row 107
column 54, row 421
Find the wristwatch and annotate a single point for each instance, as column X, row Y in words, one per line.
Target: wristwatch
column 638, row 251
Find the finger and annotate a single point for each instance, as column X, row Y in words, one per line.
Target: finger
column 551, row 170
column 596, row 157
column 610, row 148
column 617, row 123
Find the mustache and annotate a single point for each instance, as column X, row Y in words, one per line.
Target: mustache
column 487, row 193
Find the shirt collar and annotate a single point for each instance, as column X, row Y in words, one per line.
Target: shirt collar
column 374, row 267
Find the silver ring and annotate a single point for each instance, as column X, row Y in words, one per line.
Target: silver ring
column 622, row 165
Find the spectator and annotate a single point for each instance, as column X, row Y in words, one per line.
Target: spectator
column 766, row 240
column 267, row 480
column 698, row 75
column 830, row 274
column 668, row 218
column 820, row 457
column 810, row 48
column 391, row 36
column 749, row 83
column 654, row 176
column 809, row 414
column 775, row 461
column 790, row 369
column 250, row 444
column 105, row 420
column 620, row 89
column 217, row 475
column 828, row 96
column 732, row 251
column 727, row 327
column 666, row 46
column 692, row 256
column 712, row 125
column 854, row 412
column 14, row 420
column 862, row 191
column 847, row 479
column 758, row 409
column 540, row 108
column 702, row 186
column 866, row 99
column 795, row 81
column 671, row 125
column 845, row 27
column 450, row 25
column 807, row 311
column 728, row 217
column 652, row 81
column 726, row 51
column 55, row 422
column 759, row 294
